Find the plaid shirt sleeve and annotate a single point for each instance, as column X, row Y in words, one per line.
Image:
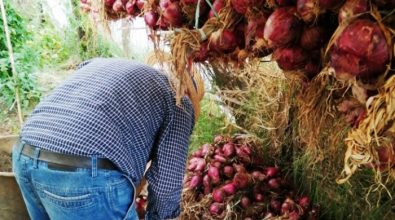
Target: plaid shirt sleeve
column 166, row 173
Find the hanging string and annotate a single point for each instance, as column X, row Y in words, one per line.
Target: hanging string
column 12, row 61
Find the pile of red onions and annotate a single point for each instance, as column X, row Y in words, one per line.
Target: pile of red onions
column 229, row 171
column 131, row 7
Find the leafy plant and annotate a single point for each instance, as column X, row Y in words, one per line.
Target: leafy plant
column 25, row 57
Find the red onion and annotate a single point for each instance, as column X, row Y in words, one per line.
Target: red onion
column 207, row 184
column 313, row 38
column 241, row 180
column 258, row 197
column 216, row 164
column 312, row 68
column 255, row 27
column 200, row 164
column 228, row 150
column 223, row 41
column 239, row 168
column 241, row 6
column 196, row 181
column 258, row 176
column 172, row 14
column 124, row 2
column 228, row 171
column 386, row 156
column 361, row 50
column 218, row 151
column 245, row 202
column 285, row 207
column 218, row 195
column 151, row 18
column 192, row 163
column 282, row 27
column 162, row 24
column 213, row 173
column 164, row 3
column 271, row 171
column 217, row 6
column 352, row 8
column 117, row 6
column 275, row 206
column 290, row 58
column 140, row 4
column 197, row 153
column 307, row 9
column 274, row 184
column 229, row 189
column 130, row 8
column 304, row 202
column 220, row 158
column 294, row 215
column 216, row 209
column 218, row 139
column 109, row 3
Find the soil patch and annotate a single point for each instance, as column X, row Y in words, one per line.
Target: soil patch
column 5, row 162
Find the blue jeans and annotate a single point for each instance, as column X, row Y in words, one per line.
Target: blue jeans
column 79, row 194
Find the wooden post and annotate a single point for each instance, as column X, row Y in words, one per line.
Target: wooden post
column 12, row 61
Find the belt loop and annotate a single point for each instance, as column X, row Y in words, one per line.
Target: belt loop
column 19, row 149
column 35, row 157
column 94, row 165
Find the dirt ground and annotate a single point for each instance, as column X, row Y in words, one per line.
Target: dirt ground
column 5, row 162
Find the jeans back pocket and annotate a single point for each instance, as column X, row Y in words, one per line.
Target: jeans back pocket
column 66, row 199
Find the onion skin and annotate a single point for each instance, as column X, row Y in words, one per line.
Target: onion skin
column 282, row 27
column 352, row 8
column 291, row 58
column 361, row 50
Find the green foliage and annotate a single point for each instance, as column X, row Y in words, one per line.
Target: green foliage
column 25, row 57
column 211, row 122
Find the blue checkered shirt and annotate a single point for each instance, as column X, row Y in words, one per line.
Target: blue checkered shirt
column 126, row 112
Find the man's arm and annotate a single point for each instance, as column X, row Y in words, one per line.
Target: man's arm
column 166, row 173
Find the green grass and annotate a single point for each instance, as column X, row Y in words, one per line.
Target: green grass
column 211, row 122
